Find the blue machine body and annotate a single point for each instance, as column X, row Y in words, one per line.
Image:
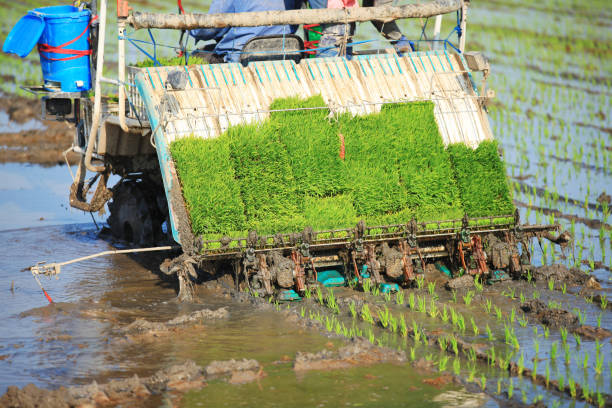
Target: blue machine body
column 331, row 278
column 288, row 295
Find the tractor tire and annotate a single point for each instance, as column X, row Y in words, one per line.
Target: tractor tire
column 134, row 214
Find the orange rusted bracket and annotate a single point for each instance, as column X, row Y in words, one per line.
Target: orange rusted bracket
column 300, row 283
column 406, row 263
column 314, row 270
column 265, row 274
column 462, row 255
column 372, row 262
column 481, row 260
column 355, row 266
column 123, row 9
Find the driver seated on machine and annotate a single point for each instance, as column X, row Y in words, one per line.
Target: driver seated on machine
column 231, row 40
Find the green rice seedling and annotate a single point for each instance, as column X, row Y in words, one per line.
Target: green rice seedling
column 522, row 321
column 586, row 392
column 498, row 313
column 399, row 298
column 461, row 323
column 474, row 326
column 561, row 385
column 521, row 364
column 442, row 343
column 512, row 316
column 577, row 339
column 302, row 312
column 601, row 401
column 524, row 396
column 564, row 288
column 546, row 332
column 551, row 284
column 431, row 288
column 572, row 387
column 376, row 291
column 338, row 327
column 472, row 374
column 393, row 323
column 511, row 292
column 499, row 380
column 329, row 323
column 454, row 295
column 444, row 314
column 585, row 361
column 566, row 354
column 529, row 277
column 535, row 331
column 563, row 333
column 489, row 333
column 331, row 301
column 488, row 304
column 547, row 375
column 454, row 345
column 403, row 328
column 412, row 353
column 553, row 351
column 457, row 366
column 387, row 297
column 510, row 389
column 433, row 309
column 536, row 294
column 420, row 281
column 468, row 297
column 352, row 309
column 522, row 297
column 483, row 382
column 603, row 302
column 379, row 342
column 422, row 304
column 370, row 335
column 411, row 301
column 478, row 284
column 366, row 315
column 415, row 331
column 320, row 296
column 454, row 316
column 366, row 285
column 491, row 356
column 307, row 293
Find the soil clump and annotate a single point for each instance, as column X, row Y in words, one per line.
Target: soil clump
column 358, row 351
column 133, row 391
column 538, row 311
column 560, row 273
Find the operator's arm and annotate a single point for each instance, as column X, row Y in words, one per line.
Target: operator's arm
column 217, row 6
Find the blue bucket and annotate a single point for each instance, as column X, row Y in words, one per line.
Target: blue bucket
column 64, row 47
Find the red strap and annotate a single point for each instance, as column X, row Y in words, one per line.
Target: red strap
column 180, row 6
column 59, row 49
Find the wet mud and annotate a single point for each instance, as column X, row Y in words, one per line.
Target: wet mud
column 359, row 351
column 135, row 391
column 42, row 145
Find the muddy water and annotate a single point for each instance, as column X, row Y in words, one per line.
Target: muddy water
column 77, row 339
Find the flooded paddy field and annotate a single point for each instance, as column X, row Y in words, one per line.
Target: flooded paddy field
column 542, row 340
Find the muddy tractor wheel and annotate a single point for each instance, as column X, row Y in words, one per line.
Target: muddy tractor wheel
column 134, row 214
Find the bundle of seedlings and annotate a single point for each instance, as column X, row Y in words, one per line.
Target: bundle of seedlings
column 303, row 167
column 482, row 181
